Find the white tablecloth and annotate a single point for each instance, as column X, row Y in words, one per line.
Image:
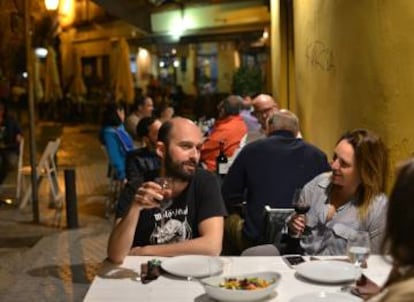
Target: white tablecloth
column 122, row 283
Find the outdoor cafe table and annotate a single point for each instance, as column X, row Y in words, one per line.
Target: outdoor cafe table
column 122, row 283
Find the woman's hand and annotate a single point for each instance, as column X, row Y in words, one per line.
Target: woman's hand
column 297, row 224
column 149, row 195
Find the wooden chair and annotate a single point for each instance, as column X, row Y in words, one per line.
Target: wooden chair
column 11, row 190
column 46, row 168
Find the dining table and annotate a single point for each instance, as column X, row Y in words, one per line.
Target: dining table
column 123, row 283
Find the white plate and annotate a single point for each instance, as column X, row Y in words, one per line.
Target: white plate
column 325, row 297
column 212, row 288
column 327, row 271
column 196, row 266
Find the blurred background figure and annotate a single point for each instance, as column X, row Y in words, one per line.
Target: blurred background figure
column 10, row 136
column 264, row 105
column 142, row 164
column 247, row 114
column 397, row 240
column 229, row 129
column 166, row 113
column 143, row 107
column 267, row 172
column 115, row 138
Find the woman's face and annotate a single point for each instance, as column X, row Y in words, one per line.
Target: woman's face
column 344, row 170
column 121, row 114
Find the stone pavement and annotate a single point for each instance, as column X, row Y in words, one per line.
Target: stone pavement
column 42, row 262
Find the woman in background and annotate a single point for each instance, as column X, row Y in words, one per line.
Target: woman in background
column 398, row 240
column 115, row 138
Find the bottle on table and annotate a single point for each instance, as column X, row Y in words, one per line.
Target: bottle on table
column 222, row 162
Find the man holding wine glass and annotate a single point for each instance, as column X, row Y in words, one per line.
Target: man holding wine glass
column 181, row 215
column 348, row 199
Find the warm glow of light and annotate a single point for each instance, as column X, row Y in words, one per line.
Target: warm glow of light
column 143, row 53
column 265, row 34
column 52, row 4
column 180, row 25
column 176, row 63
column 236, row 59
column 66, row 12
column 41, row 52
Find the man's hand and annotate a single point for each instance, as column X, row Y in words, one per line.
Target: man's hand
column 149, row 195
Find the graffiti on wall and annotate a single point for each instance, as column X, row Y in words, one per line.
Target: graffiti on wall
column 320, row 56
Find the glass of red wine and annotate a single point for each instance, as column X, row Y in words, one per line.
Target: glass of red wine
column 300, row 204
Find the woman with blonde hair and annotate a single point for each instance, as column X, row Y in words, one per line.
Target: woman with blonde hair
column 348, row 199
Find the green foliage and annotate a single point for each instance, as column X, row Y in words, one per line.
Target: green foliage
column 247, row 81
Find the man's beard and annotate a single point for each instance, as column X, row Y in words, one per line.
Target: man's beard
column 176, row 169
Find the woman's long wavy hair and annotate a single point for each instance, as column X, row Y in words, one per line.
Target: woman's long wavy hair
column 371, row 163
column 400, row 217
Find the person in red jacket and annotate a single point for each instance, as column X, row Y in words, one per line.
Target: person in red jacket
column 229, row 128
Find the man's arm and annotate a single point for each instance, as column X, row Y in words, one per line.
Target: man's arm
column 209, row 242
column 122, row 236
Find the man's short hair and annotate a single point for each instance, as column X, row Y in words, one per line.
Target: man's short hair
column 143, row 126
column 284, row 120
column 232, row 105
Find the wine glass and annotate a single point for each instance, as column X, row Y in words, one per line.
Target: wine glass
column 358, row 247
column 166, row 191
column 166, row 184
column 301, row 205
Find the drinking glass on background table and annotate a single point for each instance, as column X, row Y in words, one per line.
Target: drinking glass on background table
column 300, row 205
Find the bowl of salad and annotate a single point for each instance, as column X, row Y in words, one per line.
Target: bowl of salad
column 247, row 287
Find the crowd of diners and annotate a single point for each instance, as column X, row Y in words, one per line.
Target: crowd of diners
column 270, row 161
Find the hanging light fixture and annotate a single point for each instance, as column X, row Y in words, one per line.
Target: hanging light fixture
column 52, row 4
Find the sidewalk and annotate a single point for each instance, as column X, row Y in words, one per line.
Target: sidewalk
column 40, row 262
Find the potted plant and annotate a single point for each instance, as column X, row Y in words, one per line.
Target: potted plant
column 247, row 81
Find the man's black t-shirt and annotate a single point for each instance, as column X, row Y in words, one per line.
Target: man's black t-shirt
column 199, row 201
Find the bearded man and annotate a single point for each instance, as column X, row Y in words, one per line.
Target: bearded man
column 197, row 209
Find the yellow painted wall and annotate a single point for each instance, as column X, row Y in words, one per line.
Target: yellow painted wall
column 354, row 64
column 226, row 66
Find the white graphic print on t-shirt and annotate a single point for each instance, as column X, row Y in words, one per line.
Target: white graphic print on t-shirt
column 171, row 227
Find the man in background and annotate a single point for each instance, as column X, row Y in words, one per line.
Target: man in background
column 264, row 105
column 229, row 129
column 143, row 107
column 267, row 172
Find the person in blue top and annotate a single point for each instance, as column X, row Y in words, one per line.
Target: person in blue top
column 115, row 138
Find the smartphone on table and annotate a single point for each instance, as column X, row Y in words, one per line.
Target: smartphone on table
column 293, row 259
